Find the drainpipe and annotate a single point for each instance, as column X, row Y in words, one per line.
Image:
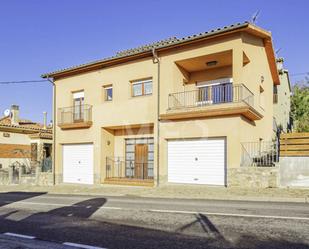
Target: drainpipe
column 54, row 130
column 156, row 60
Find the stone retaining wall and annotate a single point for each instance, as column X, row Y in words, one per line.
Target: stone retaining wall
column 39, row 178
column 253, row 177
column 45, row 179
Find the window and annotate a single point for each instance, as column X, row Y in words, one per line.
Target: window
column 142, row 87
column 108, row 93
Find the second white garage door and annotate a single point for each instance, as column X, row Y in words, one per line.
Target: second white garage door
column 198, row 161
column 78, row 163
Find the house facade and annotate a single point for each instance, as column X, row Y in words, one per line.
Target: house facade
column 23, row 142
column 282, row 99
column 175, row 111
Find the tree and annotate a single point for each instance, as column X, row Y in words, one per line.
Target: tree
column 300, row 106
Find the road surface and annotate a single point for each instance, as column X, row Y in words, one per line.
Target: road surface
column 132, row 222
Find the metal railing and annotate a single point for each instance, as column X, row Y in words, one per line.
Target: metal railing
column 74, row 114
column 259, row 154
column 211, row 95
column 128, row 169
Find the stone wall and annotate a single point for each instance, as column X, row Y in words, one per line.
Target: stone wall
column 40, row 179
column 27, row 180
column 45, row 179
column 253, row 177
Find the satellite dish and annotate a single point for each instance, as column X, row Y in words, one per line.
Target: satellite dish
column 7, row 112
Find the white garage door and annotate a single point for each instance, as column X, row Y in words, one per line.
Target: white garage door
column 199, row 161
column 78, row 163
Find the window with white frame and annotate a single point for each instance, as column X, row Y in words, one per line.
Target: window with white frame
column 141, row 87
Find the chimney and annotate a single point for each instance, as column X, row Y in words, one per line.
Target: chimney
column 280, row 64
column 44, row 120
column 15, row 115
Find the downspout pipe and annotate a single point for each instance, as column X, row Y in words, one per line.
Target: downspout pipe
column 54, row 130
column 156, row 60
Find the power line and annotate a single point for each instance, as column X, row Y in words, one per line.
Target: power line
column 21, row 82
column 40, row 81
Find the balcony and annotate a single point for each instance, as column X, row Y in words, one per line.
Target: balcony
column 212, row 101
column 75, row 117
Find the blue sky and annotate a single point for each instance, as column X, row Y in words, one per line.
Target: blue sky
column 39, row 36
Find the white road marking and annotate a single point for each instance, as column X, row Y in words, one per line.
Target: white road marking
column 60, row 205
column 19, row 235
column 81, row 246
column 174, row 211
column 113, row 208
column 43, row 204
column 231, row 214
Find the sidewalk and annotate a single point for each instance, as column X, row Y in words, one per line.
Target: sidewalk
column 173, row 191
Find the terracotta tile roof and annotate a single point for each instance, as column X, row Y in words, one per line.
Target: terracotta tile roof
column 23, row 124
column 160, row 44
column 5, row 121
column 42, row 135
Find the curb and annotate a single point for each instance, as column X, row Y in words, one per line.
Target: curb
column 304, row 199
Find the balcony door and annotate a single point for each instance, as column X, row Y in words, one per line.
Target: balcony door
column 216, row 91
column 78, row 106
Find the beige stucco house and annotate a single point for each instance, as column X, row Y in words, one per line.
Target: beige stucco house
column 282, row 99
column 175, row 111
column 23, row 142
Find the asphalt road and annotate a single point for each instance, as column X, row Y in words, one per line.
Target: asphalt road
column 130, row 222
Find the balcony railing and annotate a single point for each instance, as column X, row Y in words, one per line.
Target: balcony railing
column 128, row 169
column 211, row 95
column 79, row 114
column 259, row 154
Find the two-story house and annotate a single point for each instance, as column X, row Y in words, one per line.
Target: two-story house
column 175, row 111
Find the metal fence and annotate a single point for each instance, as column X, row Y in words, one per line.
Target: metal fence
column 118, row 167
column 74, row 114
column 259, row 154
column 211, row 95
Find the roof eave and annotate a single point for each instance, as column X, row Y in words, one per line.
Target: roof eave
column 120, row 59
column 112, row 59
